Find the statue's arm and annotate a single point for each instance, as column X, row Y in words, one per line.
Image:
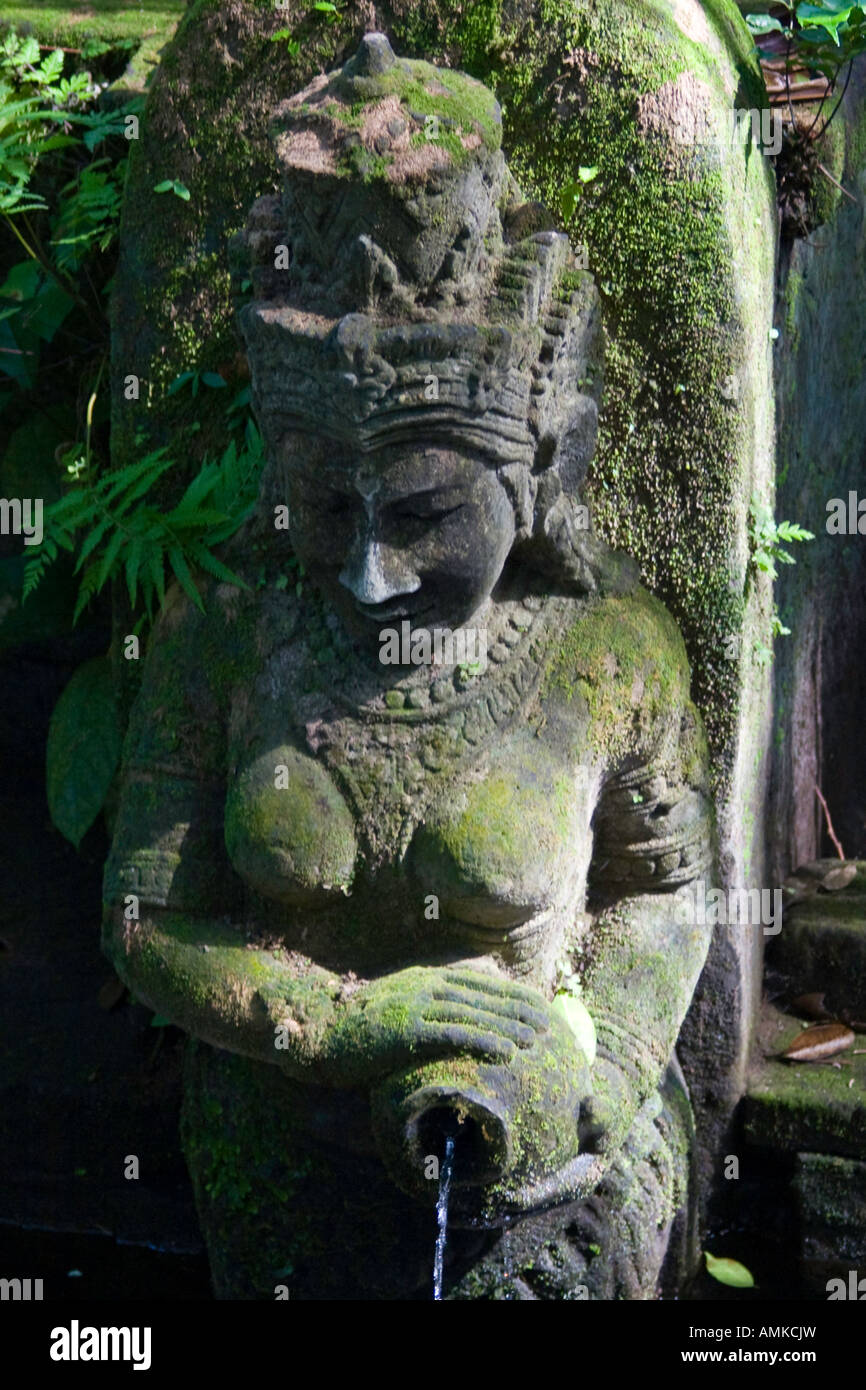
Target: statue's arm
column 173, row 907
column 653, row 844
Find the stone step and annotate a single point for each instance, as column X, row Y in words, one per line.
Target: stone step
column 822, row 944
column 804, row 1107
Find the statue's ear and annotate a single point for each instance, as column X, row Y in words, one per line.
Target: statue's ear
column 576, row 447
column 522, row 220
column 545, row 453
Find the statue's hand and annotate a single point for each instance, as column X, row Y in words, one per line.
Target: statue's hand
column 424, row 1013
column 607, row 1113
column 457, row 1046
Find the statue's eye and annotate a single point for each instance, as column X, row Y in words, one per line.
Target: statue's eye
column 426, row 511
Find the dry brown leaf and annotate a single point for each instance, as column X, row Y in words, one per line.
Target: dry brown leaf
column 818, row 1043
column 811, row 1006
column 111, row 993
column 839, row 877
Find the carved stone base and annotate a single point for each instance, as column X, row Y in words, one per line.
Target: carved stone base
column 289, row 1195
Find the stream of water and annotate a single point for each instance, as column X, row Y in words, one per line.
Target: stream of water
column 442, row 1216
column 507, row 1260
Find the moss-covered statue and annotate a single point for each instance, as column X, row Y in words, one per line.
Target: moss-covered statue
column 388, row 891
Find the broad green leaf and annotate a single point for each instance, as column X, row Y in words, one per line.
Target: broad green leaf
column 48, row 310
column 83, row 749
column 764, row 24
column 22, row 282
column 579, row 1020
column 729, row 1272
column 179, row 381
column 568, row 200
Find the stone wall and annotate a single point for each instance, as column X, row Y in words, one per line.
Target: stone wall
column 819, row 676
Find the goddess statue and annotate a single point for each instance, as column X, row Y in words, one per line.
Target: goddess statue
column 397, row 900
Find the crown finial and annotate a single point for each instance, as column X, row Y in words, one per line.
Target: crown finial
column 374, row 57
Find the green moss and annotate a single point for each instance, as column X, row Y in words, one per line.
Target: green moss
column 625, row 658
column 831, row 153
column 796, row 1107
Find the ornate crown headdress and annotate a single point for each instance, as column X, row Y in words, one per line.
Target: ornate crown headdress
column 411, row 293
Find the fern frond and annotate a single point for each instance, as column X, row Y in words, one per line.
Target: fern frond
column 133, row 560
column 211, row 565
column 86, row 590
column 112, row 550
column 184, row 578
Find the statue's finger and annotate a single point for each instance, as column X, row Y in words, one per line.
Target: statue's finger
column 458, row 1010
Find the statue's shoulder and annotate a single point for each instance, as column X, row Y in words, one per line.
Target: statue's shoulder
column 209, row 643
column 625, row 648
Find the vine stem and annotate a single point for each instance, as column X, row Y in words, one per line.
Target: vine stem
column 830, row 831
column 46, row 265
column 827, row 174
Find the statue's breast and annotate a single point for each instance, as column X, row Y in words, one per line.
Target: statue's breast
column 509, row 843
column 503, row 843
column 288, row 831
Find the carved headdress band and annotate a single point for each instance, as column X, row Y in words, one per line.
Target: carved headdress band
column 413, row 296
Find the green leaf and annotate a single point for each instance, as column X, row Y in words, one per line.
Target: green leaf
column 173, row 186
column 83, row 750
column 579, row 1020
column 568, row 200
column 156, row 573
column 213, row 379
column 211, row 565
column 729, row 1272
column 184, row 578
column 22, row 282
column 179, row 381
column 160, row 1021
column 112, row 550
column 92, row 540
column 763, row 24
column 133, row 560
column 86, row 589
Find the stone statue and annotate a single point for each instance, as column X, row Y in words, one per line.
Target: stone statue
column 395, row 887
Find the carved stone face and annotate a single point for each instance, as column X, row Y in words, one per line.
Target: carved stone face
column 408, row 531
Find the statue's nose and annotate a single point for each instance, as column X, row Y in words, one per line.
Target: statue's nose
column 374, row 573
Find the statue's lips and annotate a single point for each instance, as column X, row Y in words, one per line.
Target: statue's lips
column 384, row 612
